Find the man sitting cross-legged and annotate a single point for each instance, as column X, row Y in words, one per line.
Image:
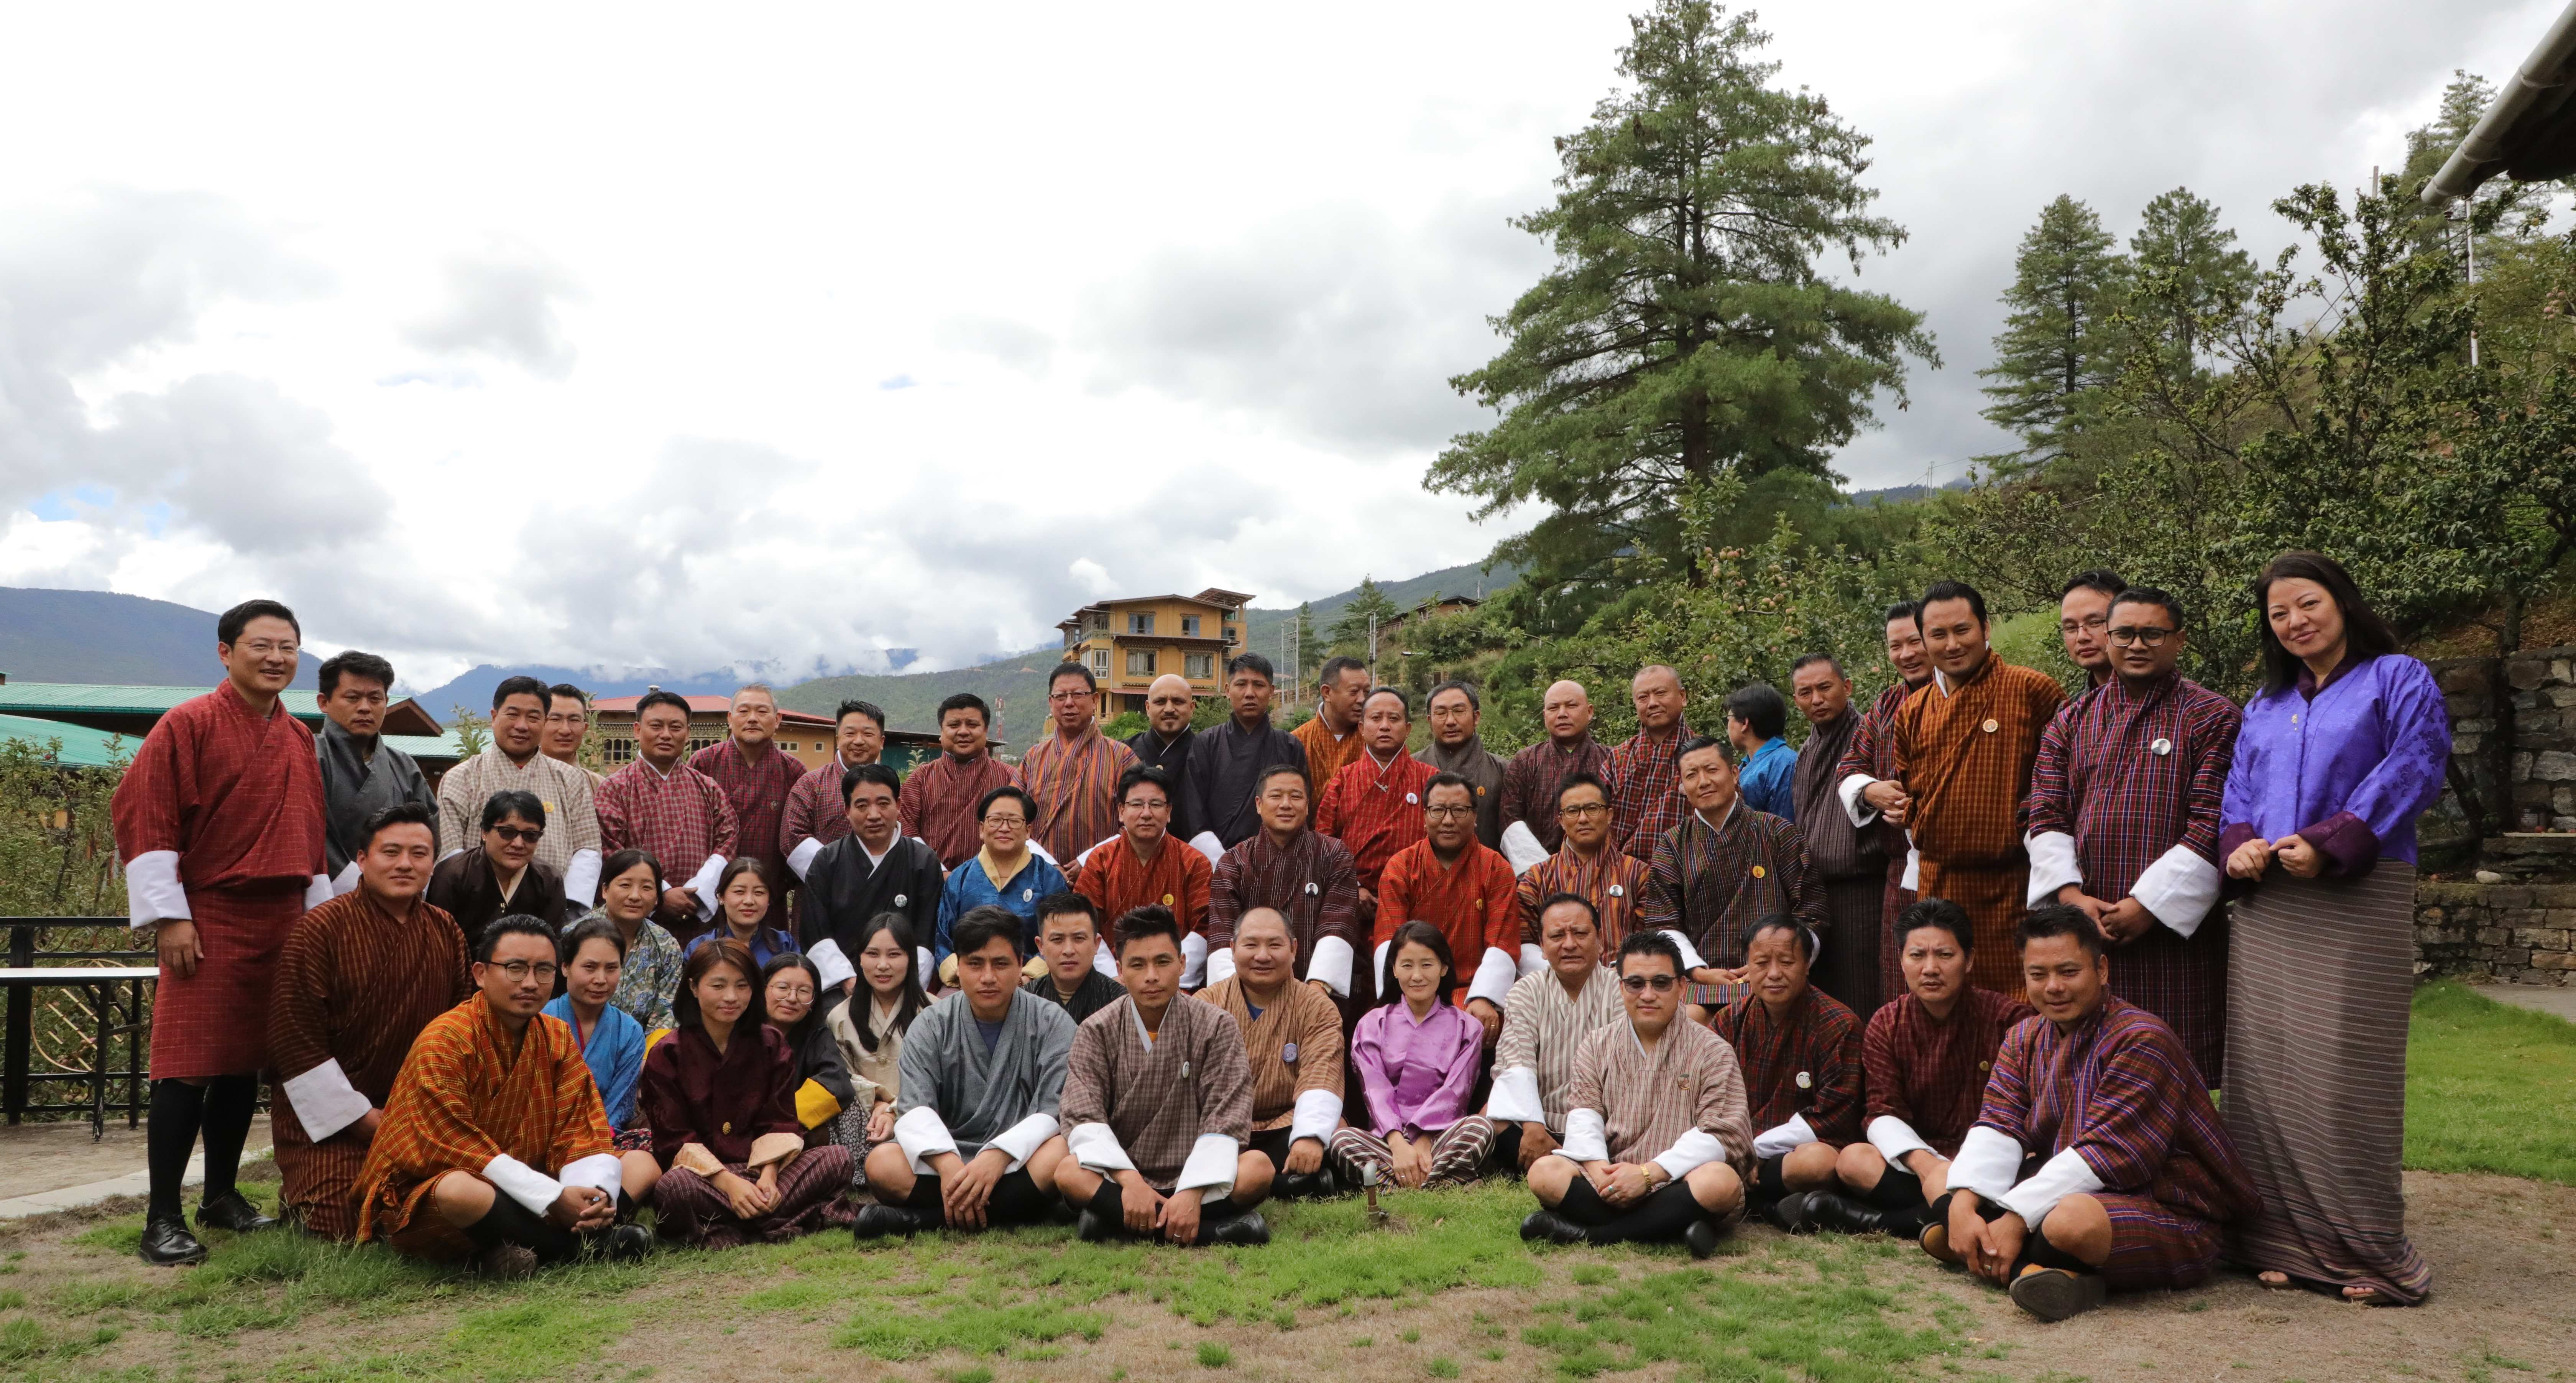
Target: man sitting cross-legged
column 1545, row 1020
column 2097, row 1162
column 1292, row 1035
column 493, row 1143
column 981, row 1076
column 1158, row 1107
column 1657, row 1137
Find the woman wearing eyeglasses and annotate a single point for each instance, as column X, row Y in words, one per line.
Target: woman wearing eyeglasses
column 501, row 874
column 1006, row 871
column 720, row 1094
column 1800, row 1050
column 789, row 985
column 1417, row 1056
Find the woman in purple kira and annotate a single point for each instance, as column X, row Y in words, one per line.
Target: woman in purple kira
column 2342, row 749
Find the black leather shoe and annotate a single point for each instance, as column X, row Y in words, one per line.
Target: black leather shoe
column 1701, row 1238
column 1843, row 1215
column 233, row 1211
column 1789, row 1214
column 1554, row 1228
column 168, row 1244
column 878, row 1221
column 625, row 1243
column 1093, row 1227
column 1304, row 1186
column 1245, row 1230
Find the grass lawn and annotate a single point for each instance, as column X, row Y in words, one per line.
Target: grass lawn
column 1450, row 1292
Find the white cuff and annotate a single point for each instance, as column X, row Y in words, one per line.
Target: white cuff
column 2066, row 1174
column 1194, row 959
column 523, row 1183
column 1894, row 1138
column 1045, row 854
column 922, row 1135
column 1585, row 1139
column 1533, row 960
column 801, row 858
column 152, row 887
column 581, row 878
column 833, row 966
column 1087, row 851
column 1022, row 1140
column 1107, row 964
column 1788, row 1137
column 1521, row 847
column 317, row 892
column 1690, row 954
column 345, row 880
column 1849, row 790
column 600, row 1171
column 924, row 973
column 2179, row 888
column 1206, row 843
column 323, row 1100
column 1913, row 880
column 1220, row 965
column 2052, row 866
column 1332, row 964
column 1516, row 1097
column 1211, row 1167
column 1095, row 1149
column 703, row 884
column 1318, row 1116
column 1987, row 1163
column 1377, row 962
column 1494, row 976
column 1696, row 1148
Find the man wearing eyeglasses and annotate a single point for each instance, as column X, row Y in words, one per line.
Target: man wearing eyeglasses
column 358, row 978
column 1143, row 866
column 2083, row 616
column 1450, row 880
column 1657, row 1134
column 1073, row 773
column 1589, row 865
column 2124, row 808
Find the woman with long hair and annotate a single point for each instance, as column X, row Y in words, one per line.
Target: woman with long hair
column 2345, row 745
column 790, row 999
column 742, row 906
column 1417, row 1055
column 870, row 1026
column 630, row 887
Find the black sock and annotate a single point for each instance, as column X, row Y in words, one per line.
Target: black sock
column 1016, row 1200
column 1214, row 1213
column 1583, row 1205
column 1108, row 1204
column 1767, row 1185
column 925, row 1202
column 2037, row 1249
column 1897, row 1189
column 231, row 1103
column 1663, row 1215
column 177, row 1109
column 509, row 1222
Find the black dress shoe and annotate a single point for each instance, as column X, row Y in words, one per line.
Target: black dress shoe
column 1843, row 1215
column 168, row 1244
column 1092, row 1227
column 233, row 1211
column 1789, row 1214
column 878, row 1221
column 1551, row 1227
column 1245, row 1230
column 1301, row 1186
column 623, row 1243
column 1701, row 1238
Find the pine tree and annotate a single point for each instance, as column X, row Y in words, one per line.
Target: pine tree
column 1351, row 628
column 2058, row 349
column 1685, row 332
column 2189, row 273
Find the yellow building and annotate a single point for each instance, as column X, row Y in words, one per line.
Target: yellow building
column 1128, row 643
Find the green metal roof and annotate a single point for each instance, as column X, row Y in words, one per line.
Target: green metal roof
column 82, row 747
column 108, row 699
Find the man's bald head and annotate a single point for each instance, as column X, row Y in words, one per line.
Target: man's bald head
column 1567, row 711
column 1656, row 692
column 1169, row 704
column 1265, row 951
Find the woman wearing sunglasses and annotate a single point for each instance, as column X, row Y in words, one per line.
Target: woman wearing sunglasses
column 501, row 874
column 1800, row 1050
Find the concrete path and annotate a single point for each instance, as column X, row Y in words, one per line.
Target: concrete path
column 55, row 1166
column 2540, row 998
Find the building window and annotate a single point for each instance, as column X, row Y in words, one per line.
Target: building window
column 1140, row 662
column 1199, row 666
column 1141, row 624
column 1189, row 626
column 618, row 751
column 1100, row 619
column 1100, row 662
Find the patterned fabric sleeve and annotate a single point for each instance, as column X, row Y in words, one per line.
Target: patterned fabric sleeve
column 724, row 829
column 1883, row 1083
column 2047, row 808
column 1227, row 1080
column 2215, row 725
column 1340, row 914
column 1836, row 1116
column 2128, row 1127
column 1798, row 880
column 616, row 826
column 1659, row 909
column 1319, row 1050
column 1225, row 898
column 1722, row 1110
column 1086, row 1079
column 583, row 1130
column 665, row 1107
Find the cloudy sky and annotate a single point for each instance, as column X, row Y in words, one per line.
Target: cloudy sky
column 633, row 337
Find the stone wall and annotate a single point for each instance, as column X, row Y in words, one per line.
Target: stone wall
column 2516, row 933
column 2510, row 912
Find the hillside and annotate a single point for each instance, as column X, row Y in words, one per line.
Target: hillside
column 473, row 690
column 103, row 637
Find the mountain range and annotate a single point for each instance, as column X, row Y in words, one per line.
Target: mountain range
column 103, row 637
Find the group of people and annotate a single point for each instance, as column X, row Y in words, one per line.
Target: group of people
column 1963, row 967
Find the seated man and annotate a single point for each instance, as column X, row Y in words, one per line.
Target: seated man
column 1145, row 864
column 1158, row 1097
column 1588, row 866
column 1545, row 1020
column 1292, row 1035
column 1799, row 1050
column 2098, row 1161
column 1657, row 1136
column 1465, row 891
column 980, row 1077
column 1924, row 1060
column 1069, row 944
column 358, row 978
column 874, row 869
column 493, row 1142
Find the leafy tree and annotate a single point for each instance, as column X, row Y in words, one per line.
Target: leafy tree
column 1350, row 630
column 1685, row 332
column 473, row 730
column 2190, row 271
column 2058, row 349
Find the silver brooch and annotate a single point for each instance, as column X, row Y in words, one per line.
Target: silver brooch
column 1805, row 1081
column 2162, row 746
column 1312, row 889
column 901, row 901
column 1618, row 892
column 1289, row 1054
column 1028, row 895
column 1185, row 1070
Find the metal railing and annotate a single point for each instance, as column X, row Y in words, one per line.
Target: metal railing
column 20, row 1081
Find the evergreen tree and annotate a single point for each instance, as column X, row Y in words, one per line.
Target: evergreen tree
column 1685, row 332
column 1351, row 628
column 2189, row 272
column 1309, row 652
column 2058, row 349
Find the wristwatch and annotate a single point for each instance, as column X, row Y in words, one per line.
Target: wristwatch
column 1656, row 1176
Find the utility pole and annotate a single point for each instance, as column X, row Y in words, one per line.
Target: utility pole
column 1372, row 650
column 2469, row 233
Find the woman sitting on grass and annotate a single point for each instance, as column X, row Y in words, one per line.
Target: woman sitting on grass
column 742, row 901
column 1417, row 1055
column 870, row 1026
column 788, row 988
column 720, row 1094
column 611, row 1043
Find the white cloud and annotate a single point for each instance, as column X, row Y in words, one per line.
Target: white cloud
column 500, row 301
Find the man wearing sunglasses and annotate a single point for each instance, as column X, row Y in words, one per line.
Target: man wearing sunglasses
column 501, row 874
column 1657, row 1136
column 2124, row 818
